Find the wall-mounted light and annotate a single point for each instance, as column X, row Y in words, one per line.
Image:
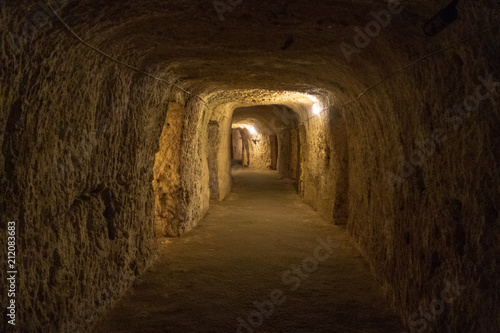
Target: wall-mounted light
column 316, row 108
column 441, row 20
column 252, row 130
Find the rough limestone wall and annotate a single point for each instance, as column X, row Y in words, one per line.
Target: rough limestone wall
column 259, row 147
column 321, row 171
column 295, row 156
column 219, row 154
column 324, row 163
column 246, row 147
column 303, row 162
column 288, row 151
column 78, row 136
column 285, row 153
column 237, row 145
column 289, row 154
column 338, row 130
column 214, row 142
column 182, row 174
column 224, row 159
column 167, row 182
column 194, row 173
column 424, row 185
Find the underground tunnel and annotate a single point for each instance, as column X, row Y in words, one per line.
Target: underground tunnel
column 250, row 166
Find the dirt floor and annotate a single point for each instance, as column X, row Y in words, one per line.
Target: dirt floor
column 260, row 261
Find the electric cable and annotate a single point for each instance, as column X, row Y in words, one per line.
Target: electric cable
column 342, row 107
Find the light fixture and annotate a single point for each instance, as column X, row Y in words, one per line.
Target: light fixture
column 252, row 130
column 316, row 109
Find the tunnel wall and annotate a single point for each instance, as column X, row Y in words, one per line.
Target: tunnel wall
column 194, row 175
column 256, row 150
column 77, row 158
column 289, row 150
column 324, row 165
column 224, row 158
column 219, row 157
column 424, row 188
column 214, row 145
column 237, row 145
column 186, row 168
column 260, row 152
column 167, row 174
column 285, row 154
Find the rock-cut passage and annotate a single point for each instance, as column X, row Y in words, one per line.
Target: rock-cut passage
column 260, row 261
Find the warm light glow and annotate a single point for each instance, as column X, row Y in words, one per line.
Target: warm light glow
column 250, row 128
column 316, row 109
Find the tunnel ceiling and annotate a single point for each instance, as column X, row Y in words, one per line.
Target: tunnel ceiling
column 278, row 45
column 266, row 119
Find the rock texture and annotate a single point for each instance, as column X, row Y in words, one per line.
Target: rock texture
column 167, row 183
column 414, row 175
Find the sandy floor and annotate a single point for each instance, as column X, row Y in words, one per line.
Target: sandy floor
column 263, row 245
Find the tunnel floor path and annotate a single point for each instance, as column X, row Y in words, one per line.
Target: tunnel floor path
column 245, row 251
